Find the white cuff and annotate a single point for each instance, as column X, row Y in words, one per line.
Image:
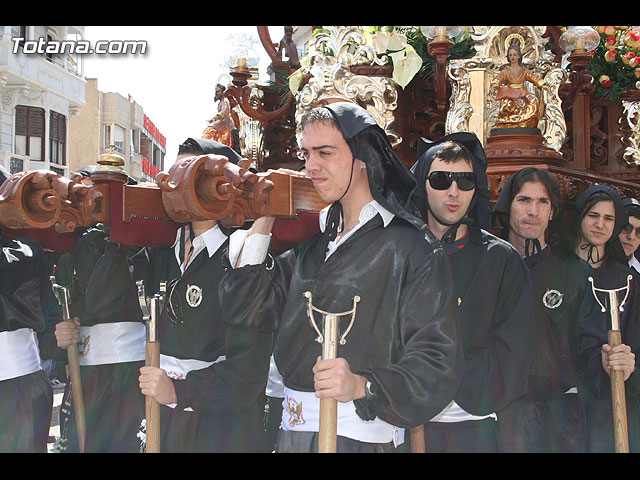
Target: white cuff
column 254, row 248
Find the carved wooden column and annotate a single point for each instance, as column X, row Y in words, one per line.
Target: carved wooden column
column 579, row 101
column 439, row 49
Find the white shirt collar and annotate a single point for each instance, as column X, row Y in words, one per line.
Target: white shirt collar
column 212, row 240
column 367, row 213
column 634, row 263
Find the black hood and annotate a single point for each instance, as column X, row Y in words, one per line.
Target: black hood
column 203, row 146
column 390, row 181
column 584, row 202
column 427, row 150
column 631, row 207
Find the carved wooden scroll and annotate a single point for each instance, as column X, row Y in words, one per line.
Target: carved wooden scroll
column 209, row 187
column 42, row 199
column 206, row 187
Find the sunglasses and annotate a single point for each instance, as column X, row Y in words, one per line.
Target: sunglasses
column 442, row 180
column 628, row 228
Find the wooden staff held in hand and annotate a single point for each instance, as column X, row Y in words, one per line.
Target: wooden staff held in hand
column 62, row 295
column 151, row 311
column 616, row 372
column 329, row 338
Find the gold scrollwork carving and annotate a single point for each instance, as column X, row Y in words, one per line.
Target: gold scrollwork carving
column 329, row 63
column 630, row 124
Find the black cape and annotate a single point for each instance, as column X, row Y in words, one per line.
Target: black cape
column 26, row 401
column 595, row 385
column 547, row 419
column 102, row 291
column 225, row 397
column 495, row 319
column 404, row 337
column 493, row 291
column 595, row 388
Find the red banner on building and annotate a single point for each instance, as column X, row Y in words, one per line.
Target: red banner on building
column 149, row 168
column 154, row 132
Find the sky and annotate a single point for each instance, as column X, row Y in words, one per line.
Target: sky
column 174, row 80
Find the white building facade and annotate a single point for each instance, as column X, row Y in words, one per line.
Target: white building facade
column 40, row 89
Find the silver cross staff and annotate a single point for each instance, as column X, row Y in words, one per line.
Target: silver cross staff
column 328, row 428
column 62, row 295
column 618, row 399
column 151, row 310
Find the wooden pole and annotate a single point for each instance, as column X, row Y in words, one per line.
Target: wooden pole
column 417, row 440
column 618, row 398
column 328, row 429
column 76, row 393
column 151, row 309
column 62, row 295
column 152, row 359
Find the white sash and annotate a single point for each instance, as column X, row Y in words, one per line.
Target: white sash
column 108, row 343
column 275, row 387
column 455, row 413
column 19, row 354
column 178, row 368
column 301, row 413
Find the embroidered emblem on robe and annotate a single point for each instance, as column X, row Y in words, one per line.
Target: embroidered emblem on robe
column 552, row 298
column 194, row 295
column 84, row 345
column 294, row 409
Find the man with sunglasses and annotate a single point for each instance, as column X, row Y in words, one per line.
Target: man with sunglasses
column 212, row 373
column 550, row 418
column 492, row 288
column 630, row 234
column 398, row 366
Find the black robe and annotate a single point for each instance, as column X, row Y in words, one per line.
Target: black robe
column 595, row 384
column 26, row 401
column 403, row 339
column 546, row 419
column 495, row 313
column 495, row 326
column 227, row 398
column 103, row 291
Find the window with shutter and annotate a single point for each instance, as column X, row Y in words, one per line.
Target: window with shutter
column 57, row 137
column 29, row 132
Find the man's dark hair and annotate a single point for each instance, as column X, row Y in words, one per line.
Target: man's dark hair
column 531, row 174
column 450, row 152
column 318, row 115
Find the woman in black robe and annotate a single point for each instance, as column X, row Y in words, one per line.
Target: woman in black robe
column 609, row 269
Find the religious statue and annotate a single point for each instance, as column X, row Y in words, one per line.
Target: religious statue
column 519, row 108
column 221, row 126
